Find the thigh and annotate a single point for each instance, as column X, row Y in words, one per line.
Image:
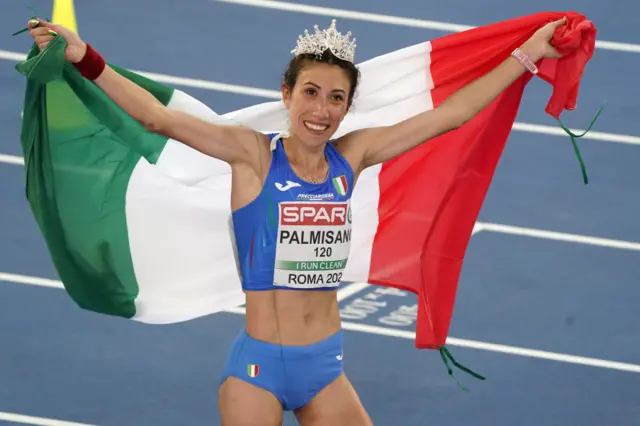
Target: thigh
column 337, row 404
column 243, row 404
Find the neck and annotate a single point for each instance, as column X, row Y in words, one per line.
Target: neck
column 308, row 162
column 304, row 156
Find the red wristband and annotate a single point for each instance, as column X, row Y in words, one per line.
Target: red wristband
column 92, row 65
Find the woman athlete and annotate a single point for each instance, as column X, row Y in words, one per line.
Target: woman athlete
column 291, row 215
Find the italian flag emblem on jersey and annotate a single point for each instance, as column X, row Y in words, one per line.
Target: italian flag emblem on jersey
column 340, row 183
column 253, row 370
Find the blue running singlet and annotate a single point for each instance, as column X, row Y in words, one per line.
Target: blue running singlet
column 295, row 235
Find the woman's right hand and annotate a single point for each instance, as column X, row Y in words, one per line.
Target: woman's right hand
column 43, row 32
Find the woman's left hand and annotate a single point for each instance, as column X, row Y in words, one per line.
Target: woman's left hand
column 539, row 46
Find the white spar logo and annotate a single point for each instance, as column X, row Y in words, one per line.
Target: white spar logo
column 314, row 214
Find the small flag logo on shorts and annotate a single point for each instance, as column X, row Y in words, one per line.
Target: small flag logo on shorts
column 253, row 370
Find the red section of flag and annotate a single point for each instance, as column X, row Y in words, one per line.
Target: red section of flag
column 431, row 196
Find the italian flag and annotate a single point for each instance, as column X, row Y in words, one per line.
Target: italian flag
column 137, row 225
column 341, row 185
column 253, row 370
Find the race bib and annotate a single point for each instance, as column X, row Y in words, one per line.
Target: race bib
column 313, row 244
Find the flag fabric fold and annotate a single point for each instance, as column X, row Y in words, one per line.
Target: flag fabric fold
column 137, row 224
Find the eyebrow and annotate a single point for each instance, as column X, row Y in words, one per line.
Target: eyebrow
column 318, row 87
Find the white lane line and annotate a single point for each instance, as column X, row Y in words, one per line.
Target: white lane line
column 40, row 421
column 180, row 81
column 394, row 20
column 551, row 356
column 505, row 349
column 12, row 56
column 275, row 95
column 212, row 85
column 477, row 227
column 351, row 14
column 592, row 135
column 402, row 334
column 11, row 159
column 559, row 236
column 351, row 289
column 25, row 279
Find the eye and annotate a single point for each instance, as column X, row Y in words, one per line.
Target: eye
column 310, row 91
column 338, row 98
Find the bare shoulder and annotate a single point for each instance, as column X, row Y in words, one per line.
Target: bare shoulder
column 375, row 145
column 256, row 150
column 263, row 152
column 249, row 174
column 230, row 142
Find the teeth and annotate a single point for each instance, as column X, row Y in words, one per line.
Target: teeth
column 315, row 127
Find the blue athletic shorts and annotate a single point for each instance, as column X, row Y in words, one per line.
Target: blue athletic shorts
column 294, row 374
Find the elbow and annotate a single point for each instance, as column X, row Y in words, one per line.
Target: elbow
column 454, row 118
column 459, row 120
column 450, row 116
column 460, row 116
column 453, row 123
column 156, row 120
column 455, row 113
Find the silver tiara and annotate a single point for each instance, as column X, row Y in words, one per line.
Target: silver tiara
column 330, row 39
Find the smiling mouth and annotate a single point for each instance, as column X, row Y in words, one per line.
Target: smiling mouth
column 316, row 128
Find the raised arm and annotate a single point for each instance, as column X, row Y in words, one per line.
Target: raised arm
column 372, row 146
column 228, row 143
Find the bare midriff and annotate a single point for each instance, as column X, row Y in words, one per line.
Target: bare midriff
column 292, row 317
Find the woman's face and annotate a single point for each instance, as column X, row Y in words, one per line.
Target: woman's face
column 318, row 103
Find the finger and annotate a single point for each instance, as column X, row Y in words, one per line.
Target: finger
column 37, row 22
column 38, row 31
column 561, row 22
column 43, row 41
column 42, row 38
column 57, row 28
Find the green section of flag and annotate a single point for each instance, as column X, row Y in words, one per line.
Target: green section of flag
column 80, row 150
